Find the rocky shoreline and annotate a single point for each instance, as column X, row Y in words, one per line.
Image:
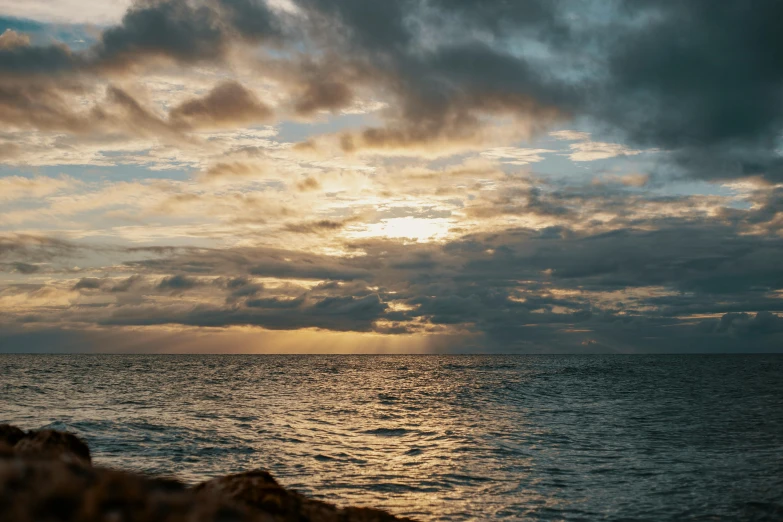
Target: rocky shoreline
column 48, row 475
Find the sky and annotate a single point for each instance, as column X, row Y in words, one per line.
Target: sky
column 418, row 176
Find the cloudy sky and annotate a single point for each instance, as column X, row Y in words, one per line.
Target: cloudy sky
column 406, row 175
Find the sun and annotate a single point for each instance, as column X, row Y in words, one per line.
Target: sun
column 420, row 230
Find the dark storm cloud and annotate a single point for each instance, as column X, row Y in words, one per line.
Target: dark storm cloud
column 444, row 86
column 173, row 28
column 700, row 79
column 446, row 95
column 184, row 31
column 704, row 79
column 747, row 325
column 705, row 259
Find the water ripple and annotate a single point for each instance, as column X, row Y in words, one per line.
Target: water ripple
column 436, row 437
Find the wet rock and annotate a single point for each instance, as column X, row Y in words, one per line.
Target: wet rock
column 52, row 490
column 10, row 435
column 47, row 475
column 54, row 444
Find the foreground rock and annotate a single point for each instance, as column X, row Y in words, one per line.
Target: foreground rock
column 48, row 475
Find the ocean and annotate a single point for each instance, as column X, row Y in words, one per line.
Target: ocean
column 599, row 437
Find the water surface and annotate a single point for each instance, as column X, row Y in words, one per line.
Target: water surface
column 435, row 437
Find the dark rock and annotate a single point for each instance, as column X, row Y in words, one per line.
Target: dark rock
column 52, row 490
column 10, row 435
column 53, row 444
column 46, row 475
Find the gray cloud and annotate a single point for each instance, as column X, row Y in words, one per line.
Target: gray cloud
column 178, row 283
column 28, row 249
column 24, row 268
column 88, row 283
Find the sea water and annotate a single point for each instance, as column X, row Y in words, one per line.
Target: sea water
column 435, row 437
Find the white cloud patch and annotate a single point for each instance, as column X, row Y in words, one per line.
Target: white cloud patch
column 18, row 187
column 67, row 11
column 585, row 149
column 516, row 155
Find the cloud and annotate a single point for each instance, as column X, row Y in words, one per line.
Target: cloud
column 11, row 39
column 702, row 80
column 517, row 289
column 126, row 284
column 88, row 283
column 18, row 187
column 59, row 107
column 308, row 184
column 452, row 75
column 313, row 227
column 744, row 325
column 351, row 313
column 587, row 150
column 24, row 268
column 629, row 180
column 417, row 201
column 233, row 169
column 227, row 104
column 42, row 106
column 178, row 283
column 179, row 30
column 69, row 11
column 29, row 249
column 516, row 156
column 329, row 95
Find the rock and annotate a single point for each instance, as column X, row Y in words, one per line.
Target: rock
column 10, row 435
column 52, row 490
column 54, row 444
column 259, row 491
column 47, row 475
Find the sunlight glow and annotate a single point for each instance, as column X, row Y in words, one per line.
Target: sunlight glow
column 419, row 229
